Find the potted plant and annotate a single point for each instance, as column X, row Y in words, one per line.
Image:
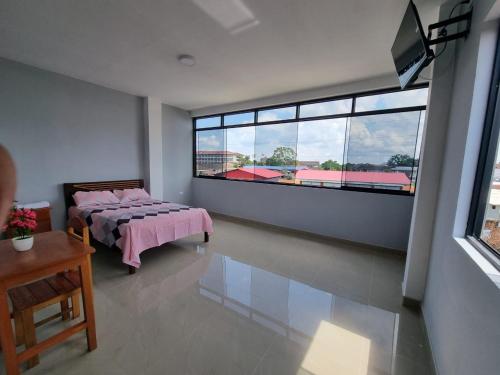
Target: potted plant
column 21, row 223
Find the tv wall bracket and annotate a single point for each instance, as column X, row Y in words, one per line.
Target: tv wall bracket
column 443, row 33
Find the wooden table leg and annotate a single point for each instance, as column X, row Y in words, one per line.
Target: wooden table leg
column 29, row 335
column 88, row 302
column 6, row 335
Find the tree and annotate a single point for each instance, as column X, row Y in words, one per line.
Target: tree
column 282, row 156
column 243, row 160
column 400, row 160
column 331, row 165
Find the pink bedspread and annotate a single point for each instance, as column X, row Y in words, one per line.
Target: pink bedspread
column 140, row 225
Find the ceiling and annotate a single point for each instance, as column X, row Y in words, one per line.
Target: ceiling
column 244, row 49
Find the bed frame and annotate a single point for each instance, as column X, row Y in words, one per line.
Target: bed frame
column 72, row 187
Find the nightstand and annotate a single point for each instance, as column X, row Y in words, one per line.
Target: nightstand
column 43, row 220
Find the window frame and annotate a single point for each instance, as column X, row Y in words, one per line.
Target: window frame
column 298, row 119
column 486, row 161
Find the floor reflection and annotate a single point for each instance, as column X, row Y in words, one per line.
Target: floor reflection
column 341, row 336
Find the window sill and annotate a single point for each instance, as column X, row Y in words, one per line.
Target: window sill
column 477, row 255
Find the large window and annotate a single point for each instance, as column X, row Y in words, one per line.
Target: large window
column 355, row 142
column 484, row 221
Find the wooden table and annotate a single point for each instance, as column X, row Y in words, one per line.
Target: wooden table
column 52, row 252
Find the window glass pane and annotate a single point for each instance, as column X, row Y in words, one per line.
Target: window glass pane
column 239, row 118
column 399, row 99
column 211, row 157
column 381, row 151
column 320, row 152
column 276, row 152
column 490, row 232
column 208, row 122
column 240, row 147
column 333, row 107
column 276, row 114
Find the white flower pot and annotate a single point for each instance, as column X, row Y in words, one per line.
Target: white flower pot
column 22, row 244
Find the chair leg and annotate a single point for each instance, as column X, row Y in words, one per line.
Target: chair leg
column 18, row 327
column 29, row 335
column 65, row 309
column 75, row 306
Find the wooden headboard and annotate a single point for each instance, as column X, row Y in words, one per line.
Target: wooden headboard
column 72, row 188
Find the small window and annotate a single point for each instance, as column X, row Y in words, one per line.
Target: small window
column 277, row 114
column 239, row 118
column 398, row 99
column 329, row 108
column 208, row 122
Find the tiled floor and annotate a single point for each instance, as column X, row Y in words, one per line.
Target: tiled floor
column 252, row 301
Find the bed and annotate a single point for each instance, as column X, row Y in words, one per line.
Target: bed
column 136, row 226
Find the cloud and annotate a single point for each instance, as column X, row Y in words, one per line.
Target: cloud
column 326, row 108
column 374, row 139
column 210, row 140
column 321, row 140
column 397, row 99
column 277, row 114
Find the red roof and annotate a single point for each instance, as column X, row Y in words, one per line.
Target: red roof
column 252, row 173
column 396, row 178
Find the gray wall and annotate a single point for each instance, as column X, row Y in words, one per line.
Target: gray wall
column 60, row 129
column 376, row 219
column 177, row 154
column 462, row 299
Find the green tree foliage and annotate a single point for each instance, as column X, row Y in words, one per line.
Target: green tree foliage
column 331, row 165
column 400, row 160
column 282, row 156
column 243, row 160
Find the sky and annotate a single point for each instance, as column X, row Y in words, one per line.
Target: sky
column 372, row 139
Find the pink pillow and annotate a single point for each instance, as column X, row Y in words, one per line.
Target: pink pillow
column 85, row 198
column 129, row 195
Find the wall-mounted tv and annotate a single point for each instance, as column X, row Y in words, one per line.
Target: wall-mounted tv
column 410, row 51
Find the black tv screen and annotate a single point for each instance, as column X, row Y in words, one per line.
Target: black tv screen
column 410, row 50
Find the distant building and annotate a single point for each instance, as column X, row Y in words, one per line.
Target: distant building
column 251, row 174
column 376, row 180
column 491, row 230
column 212, row 162
column 311, row 164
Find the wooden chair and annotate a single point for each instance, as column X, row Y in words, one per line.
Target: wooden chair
column 60, row 288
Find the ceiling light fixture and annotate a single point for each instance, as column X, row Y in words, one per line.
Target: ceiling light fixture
column 187, row 60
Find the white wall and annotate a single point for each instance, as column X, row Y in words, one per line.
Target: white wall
column 177, row 154
column 429, row 175
column 154, row 147
column 462, row 302
column 342, row 89
column 60, row 129
column 377, row 219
